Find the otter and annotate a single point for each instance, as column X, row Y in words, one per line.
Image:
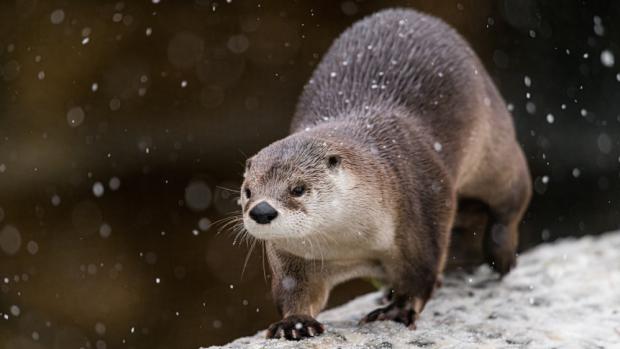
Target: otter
column 398, row 122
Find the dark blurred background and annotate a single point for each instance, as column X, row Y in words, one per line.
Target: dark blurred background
column 124, row 124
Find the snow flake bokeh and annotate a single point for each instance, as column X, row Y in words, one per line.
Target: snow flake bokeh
column 124, row 127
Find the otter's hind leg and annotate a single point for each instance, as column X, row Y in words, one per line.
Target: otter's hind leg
column 467, row 234
column 507, row 204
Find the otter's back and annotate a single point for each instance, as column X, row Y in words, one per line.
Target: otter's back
column 392, row 59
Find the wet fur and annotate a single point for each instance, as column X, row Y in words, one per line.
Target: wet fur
column 418, row 125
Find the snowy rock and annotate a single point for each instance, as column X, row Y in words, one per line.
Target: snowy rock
column 561, row 295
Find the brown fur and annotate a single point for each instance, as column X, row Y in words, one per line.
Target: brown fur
column 412, row 138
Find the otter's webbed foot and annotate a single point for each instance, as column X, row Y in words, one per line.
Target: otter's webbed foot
column 395, row 311
column 295, row 327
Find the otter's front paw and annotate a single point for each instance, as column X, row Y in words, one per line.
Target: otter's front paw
column 295, row 327
column 405, row 314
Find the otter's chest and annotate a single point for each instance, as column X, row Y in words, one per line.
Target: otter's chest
column 349, row 242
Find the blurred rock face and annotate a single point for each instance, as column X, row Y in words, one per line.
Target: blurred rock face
column 476, row 310
column 124, row 127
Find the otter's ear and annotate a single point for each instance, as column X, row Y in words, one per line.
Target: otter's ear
column 333, row 161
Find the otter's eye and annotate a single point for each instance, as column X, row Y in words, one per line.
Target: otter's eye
column 248, row 193
column 298, row 190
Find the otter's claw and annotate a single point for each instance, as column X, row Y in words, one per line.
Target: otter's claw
column 405, row 314
column 295, row 327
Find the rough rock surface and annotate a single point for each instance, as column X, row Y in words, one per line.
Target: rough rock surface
column 561, row 295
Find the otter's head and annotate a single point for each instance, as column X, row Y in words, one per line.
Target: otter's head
column 293, row 188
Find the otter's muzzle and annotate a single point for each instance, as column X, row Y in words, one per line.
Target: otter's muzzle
column 263, row 213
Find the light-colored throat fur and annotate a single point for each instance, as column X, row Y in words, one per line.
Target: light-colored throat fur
column 356, row 223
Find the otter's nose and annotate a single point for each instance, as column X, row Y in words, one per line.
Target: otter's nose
column 263, row 213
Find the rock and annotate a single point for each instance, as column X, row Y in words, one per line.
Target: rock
column 564, row 294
